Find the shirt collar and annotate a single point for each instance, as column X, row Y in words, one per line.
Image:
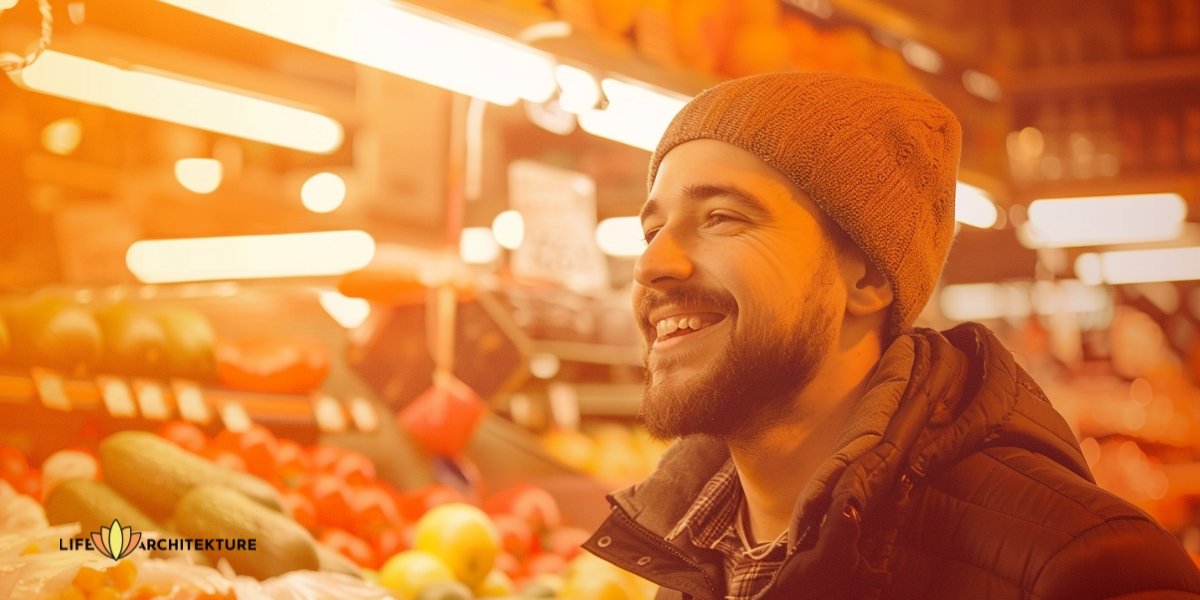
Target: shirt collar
column 714, row 511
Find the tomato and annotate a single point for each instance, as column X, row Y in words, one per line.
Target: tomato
column 331, row 496
column 291, row 463
column 352, row 466
column 516, row 537
column 13, row 464
column 391, row 541
column 350, row 546
column 272, row 363
column 509, row 565
column 530, row 503
column 184, row 434
column 417, row 502
column 256, row 446
column 545, row 562
column 300, row 508
column 225, row 458
column 373, row 510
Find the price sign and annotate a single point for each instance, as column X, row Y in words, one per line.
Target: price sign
column 50, row 389
column 117, row 397
column 558, row 208
column 363, row 413
column 234, row 416
column 151, row 399
column 189, row 398
column 329, row 414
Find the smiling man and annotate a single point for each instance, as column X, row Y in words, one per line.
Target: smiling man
column 796, row 225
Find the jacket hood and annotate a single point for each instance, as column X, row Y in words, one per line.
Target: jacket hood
column 936, row 397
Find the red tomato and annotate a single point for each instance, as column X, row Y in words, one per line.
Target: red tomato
column 373, row 510
column 530, row 503
column 392, row 541
column 350, row 546
column 420, row 500
column 256, row 446
column 225, row 458
column 185, row 435
column 516, row 537
column 545, row 562
column 321, row 457
column 13, row 464
column 509, row 565
column 331, row 496
column 300, row 508
column 291, row 463
column 354, row 467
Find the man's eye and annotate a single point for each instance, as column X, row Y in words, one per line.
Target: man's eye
column 719, row 218
column 649, row 236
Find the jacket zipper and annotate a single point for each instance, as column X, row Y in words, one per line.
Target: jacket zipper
column 646, row 533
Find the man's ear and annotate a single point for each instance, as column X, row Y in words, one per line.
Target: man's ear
column 867, row 289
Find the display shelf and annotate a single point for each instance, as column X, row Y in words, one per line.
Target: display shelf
column 509, row 455
column 605, row 354
column 1166, row 70
column 1183, row 182
column 160, row 400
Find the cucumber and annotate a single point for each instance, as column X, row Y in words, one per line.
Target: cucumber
column 281, row 544
column 154, row 473
column 93, row 504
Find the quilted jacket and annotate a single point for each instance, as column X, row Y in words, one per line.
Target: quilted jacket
column 976, row 490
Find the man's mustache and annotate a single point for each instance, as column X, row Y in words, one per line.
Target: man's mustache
column 686, row 298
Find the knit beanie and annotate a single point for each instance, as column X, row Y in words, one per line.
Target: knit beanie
column 879, row 159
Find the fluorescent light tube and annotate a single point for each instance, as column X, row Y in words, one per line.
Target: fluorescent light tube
column 973, row 206
column 1103, row 220
column 386, row 36
column 1140, row 266
column 186, row 102
column 250, row 257
column 636, row 115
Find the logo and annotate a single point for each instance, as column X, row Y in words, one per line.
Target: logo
column 116, row 542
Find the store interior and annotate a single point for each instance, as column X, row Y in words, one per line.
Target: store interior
column 380, row 253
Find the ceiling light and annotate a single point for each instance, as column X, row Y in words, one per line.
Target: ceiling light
column 192, row 103
column 250, row 257
column 636, row 114
column 1103, row 220
column 399, row 40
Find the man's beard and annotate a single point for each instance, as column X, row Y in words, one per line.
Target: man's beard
column 753, row 382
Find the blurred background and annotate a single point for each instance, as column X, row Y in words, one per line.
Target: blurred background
column 408, row 228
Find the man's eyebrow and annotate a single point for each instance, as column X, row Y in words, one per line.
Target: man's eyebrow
column 696, row 192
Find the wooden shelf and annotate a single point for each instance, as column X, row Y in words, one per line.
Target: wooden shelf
column 161, row 400
column 1185, row 183
column 1151, row 71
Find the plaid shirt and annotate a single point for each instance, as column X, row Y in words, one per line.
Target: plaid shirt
column 712, row 524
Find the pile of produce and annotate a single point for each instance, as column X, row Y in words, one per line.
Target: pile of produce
column 318, row 514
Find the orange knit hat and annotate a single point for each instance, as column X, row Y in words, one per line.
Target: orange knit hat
column 879, row 159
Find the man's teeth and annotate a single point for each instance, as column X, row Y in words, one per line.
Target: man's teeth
column 673, row 324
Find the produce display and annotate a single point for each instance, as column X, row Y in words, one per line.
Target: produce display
column 144, row 340
column 318, row 515
column 616, row 454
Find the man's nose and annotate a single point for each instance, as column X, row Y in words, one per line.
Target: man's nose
column 664, row 261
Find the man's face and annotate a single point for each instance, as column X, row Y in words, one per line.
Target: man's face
column 737, row 293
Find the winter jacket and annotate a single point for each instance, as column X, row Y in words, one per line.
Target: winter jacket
column 975, row 490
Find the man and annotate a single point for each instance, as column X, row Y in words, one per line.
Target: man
column 796, row 225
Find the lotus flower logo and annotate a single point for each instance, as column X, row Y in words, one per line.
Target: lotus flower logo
column 116, row 542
